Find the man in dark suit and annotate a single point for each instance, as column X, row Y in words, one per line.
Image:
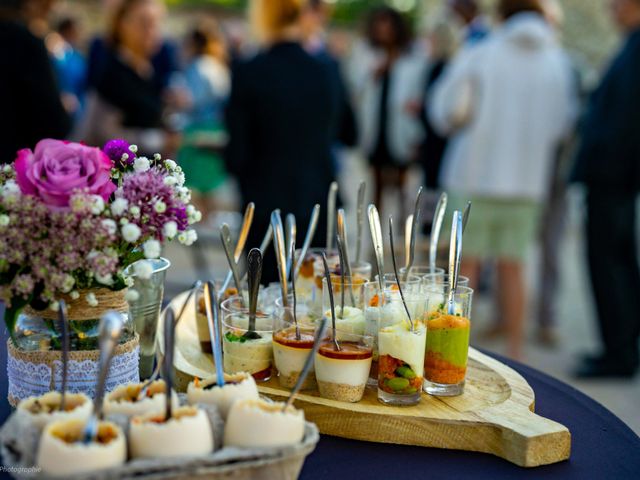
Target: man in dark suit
column 608, row 164
column 30, row 104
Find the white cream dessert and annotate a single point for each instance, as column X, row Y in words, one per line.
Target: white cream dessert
column 401, row 358
column 124, row 399
column 186, row 434
column 259, row 423
column 46, row 408
column 351, row 321
column 342, row 374
column 243, row 355
column 237, row 386
column 290, row 354
column 62, row 451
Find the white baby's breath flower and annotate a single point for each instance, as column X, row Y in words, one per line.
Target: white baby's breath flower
column 4, row 220
column 55, row 306
column 143, row 269
column 170, row 229
column 97, row 204
column 104, row 279
column 194, row 217
column 68, row 283
column 131, row 232
column 131, row 295
column 133, row 148
column 110, row 226
column 124, row 221
column 170, row 181
column 119, row 206
column 135, row 211
column 180, row 178
column 190, row 209
column 124, row 157
column 170, row 164
column 74, row 295
column 160, row 206
column 115, row 173
column 141, row 164
column 7, row 168
column 157, row 157
column 91, row 299
column 187, row 237
column 129, row 281
column 151, row 248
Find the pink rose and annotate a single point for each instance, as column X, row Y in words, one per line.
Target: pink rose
column 57, row 169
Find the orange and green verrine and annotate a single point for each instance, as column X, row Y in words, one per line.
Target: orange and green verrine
column 447, row 348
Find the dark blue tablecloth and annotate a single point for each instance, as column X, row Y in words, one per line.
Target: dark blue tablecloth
column 602, row 445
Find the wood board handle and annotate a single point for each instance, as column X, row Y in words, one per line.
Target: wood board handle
column 525, row 438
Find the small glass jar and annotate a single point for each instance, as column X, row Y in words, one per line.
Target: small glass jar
column 244, row 352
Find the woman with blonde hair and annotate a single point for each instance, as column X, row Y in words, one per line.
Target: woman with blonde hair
column 281, row 119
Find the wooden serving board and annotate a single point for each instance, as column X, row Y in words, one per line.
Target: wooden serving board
column 494, row 415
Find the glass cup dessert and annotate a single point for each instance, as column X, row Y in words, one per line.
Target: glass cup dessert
column 342, row 374
column 386, row 309
column 349, row 304
column 291, row 347
column 441, row 277
column 447, row 349
column 244, row 354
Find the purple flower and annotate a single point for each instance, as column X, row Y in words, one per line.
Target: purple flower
column 116, row 149
column 57, row 169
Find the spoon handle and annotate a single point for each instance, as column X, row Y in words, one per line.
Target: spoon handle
column 395, row 271
column 254, row 264
column 408, row 226
column 225, row 237
column 414, row 231
column 242, row 241
column 211, row 308
column 308, row 363
column 331, row 213
column 465, row 216
column 167, row 364
column 360, row 219
column 65, row 353
column 111, row 325
column 327, row 276
column 290, row 239
column 455, row 253
column 378, row 246
column 436, row 228
column 278, row 245
column 342, row 235
column 311, row 231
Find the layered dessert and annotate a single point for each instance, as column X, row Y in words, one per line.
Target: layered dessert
column 290, row 354
column 126, row 399
column 242, row 354
column 62, row 451
column 260, row 423
column 447, row 348
column 342, row 374
column 400, row 362
column 349, row 321
column 46, row 408
column 186, row 434
column 238, row 386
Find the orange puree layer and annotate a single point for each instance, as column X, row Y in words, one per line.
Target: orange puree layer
column 438, row 370
column 447, row 321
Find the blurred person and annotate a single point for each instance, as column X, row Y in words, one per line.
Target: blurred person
column 30, row 105
column 127, row 99
column 476, row 25
column 206, row 83
column 608, row 164
column 281, row 117
column 389, row 85
column 507, row 102
column 69, row 63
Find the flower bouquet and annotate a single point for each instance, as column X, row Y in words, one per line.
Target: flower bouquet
column 72, row 219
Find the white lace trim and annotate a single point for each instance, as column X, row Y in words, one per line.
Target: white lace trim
column 28, row 379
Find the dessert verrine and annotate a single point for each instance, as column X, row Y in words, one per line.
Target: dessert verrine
column 447, row 341
column 261, row 423
column 126, row 399
column 186, row 434
column 291, row 347
column 238, row 386
column 62, row 451
column 401, row 350
column 244, row 352
column 342, row 372
column 45, row 409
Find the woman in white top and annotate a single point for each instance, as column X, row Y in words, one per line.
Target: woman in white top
column 388, row 79
column 507, row 103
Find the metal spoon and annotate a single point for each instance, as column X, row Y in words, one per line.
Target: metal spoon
column 225, row 237
column 408, row 226
column 111, row 325
column 378, row 246
column 211, row 309
column 455, row 253
column 414, row 233
column 156, row 371
column 395, row 271
column 360, row 220
column 344, row 246
column 266, row 241
column 254, row 264
column 293, row 293
column 327, row 276
column 242, row 241
column 343, row 269
column 167, row 364
column 436, row 227
column 65, row 353
column 331, row 213
column 278, row 245
column 465, row 216
column 311, row 231
column 290, row 238
column 308, row 363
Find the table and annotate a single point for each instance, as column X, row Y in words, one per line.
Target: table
column 602, row 445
